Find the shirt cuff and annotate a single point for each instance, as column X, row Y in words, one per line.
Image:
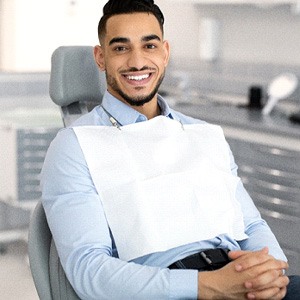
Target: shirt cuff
column 183, row 284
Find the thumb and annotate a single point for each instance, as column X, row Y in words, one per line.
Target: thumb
column 238, row 253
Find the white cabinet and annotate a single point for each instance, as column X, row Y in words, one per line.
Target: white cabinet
column 241, row 2
column 294, row 4
column 25, row 136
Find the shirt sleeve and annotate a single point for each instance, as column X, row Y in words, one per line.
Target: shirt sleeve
column 260, row 234
column 82, row 236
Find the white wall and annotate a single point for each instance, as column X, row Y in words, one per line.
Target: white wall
column 32, row 29
column 249, row 34
column 181, row 27
column 259, row 35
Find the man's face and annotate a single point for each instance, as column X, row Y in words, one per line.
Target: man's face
column 134, row 56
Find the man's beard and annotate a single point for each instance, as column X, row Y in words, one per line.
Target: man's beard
column 133, row 101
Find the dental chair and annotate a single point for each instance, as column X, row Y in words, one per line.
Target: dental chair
column 76, row 86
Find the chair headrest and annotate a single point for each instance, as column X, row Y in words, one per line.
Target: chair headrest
column 75, row 76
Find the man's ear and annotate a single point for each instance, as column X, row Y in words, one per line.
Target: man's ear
column 166, row 47
column 99, row 57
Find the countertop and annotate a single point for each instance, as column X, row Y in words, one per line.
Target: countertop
column 239, row 121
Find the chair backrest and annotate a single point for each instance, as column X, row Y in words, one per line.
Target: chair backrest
column 39, row 241
column 76, row 85
column 49, row 278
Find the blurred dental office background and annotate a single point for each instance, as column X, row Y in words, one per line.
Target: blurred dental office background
column 228, row 60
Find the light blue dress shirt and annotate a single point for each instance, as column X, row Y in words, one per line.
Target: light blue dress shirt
column 82, row 235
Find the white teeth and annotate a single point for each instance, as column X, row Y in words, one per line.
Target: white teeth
column 138, row 78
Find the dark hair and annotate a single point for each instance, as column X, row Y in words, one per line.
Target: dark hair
column 117, row 7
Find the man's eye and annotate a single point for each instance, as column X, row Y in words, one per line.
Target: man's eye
column 120, row 48
column 151, row 46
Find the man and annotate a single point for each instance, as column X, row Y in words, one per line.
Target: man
column 119, row 233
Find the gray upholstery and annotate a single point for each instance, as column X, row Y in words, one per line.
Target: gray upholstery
column 39, row 241
column 49, row 277
column 75, row 76
column 76, row 84
column 60, row 286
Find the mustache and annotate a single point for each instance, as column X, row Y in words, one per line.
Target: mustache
column 133, row 69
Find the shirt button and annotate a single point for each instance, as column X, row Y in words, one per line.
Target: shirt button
column 141, row 119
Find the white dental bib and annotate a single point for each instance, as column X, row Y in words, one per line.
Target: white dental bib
column 162, row 184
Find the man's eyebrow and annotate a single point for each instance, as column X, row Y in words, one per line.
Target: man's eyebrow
column 145, row 38
column 150, row 37
column 118, row 40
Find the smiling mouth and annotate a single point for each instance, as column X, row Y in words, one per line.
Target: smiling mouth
column 137, row 77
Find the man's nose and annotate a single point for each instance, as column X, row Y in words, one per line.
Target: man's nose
column 136, row 59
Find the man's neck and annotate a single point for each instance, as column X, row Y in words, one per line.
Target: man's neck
column 150, row 109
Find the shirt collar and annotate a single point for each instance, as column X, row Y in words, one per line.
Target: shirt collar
column 125, row 115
